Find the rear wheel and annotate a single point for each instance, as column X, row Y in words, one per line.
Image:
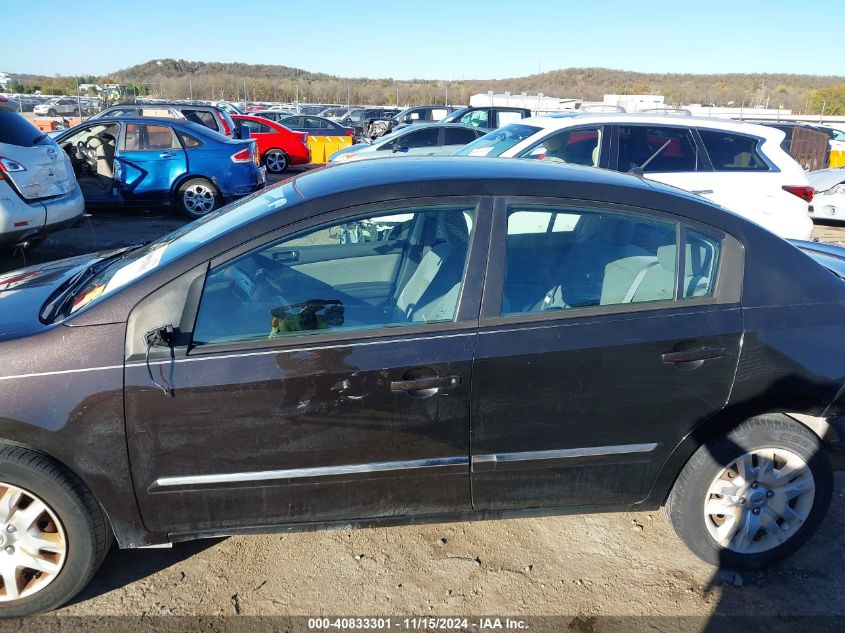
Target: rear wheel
column 53, row 535
column 754, row 496
column 198, row 197
column 276, row 161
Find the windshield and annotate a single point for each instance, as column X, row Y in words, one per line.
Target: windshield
column 497, row 142
column 139, row 262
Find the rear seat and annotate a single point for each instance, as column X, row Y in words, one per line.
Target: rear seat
column 650, row 278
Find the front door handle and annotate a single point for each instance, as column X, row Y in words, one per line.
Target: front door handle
column 431, row 383
column 693, row 355
column 702, row 192
column 167, row 155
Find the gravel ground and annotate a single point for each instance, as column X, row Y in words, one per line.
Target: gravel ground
column 585, row 568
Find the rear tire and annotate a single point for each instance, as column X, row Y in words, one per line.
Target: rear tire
column 276, row 161
column 754, row 496
column 198, row 197
column 71, row 527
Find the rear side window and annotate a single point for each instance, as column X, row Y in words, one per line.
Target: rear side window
column 202, row 117
column 657, row 149
column 16, row 130
column 561, row 259
column 701, row 265
column 506, row 117
column 732, row 152
column 189, row 141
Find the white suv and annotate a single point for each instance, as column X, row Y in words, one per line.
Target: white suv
column 740, row 166
column 58, row 106
column 38, row 190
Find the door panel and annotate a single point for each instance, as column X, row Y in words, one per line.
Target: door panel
column 313, row 409
column 583, row 411
column 150, row 160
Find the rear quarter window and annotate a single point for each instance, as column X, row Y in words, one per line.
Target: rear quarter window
column 16, row 130
column 733, row 152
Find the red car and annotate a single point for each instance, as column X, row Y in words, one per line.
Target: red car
column 278, row 147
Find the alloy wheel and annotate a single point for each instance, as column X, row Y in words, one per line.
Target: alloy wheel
column 33, row 546
column 276, row 162
column 759, row 501
column 198, row 199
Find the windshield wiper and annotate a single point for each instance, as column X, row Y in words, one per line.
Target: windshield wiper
column 54, row 307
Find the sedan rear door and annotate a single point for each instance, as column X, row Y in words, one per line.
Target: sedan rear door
column 599, row 350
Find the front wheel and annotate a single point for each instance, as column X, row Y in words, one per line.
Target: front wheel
column 276, row 161
column 198, row 197
column 753, row 496
column 53, row 535
column 51, row 112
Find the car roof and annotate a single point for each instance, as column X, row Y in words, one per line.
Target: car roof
column 495, row 177
column 552, row 123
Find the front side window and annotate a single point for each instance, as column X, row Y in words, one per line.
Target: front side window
column 560, row 259
column 420, row 139
column 377, row 271
column 580, row 146
column 732, row 152
column 145, row 138
column 458, row 136
column 657, row 149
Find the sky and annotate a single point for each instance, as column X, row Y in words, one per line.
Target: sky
column 428, row 39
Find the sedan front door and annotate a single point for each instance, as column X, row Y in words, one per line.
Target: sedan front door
column 599, row 350
column 326, row 377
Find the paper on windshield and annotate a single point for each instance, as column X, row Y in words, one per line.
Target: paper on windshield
column 133, row 270
column 480, row 151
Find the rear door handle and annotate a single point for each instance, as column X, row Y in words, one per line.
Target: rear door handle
column 690, row 356
column 422, row 384
column 167, row 155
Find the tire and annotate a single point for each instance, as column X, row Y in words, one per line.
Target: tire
column 762, row 523
column 51, row 112
column 276, row 161
column 82, row 531
column 198, row 197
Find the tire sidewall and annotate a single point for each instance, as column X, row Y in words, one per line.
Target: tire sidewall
column 80, row 535
column 686, row 507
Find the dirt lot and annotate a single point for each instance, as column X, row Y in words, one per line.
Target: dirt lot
column 580, row 567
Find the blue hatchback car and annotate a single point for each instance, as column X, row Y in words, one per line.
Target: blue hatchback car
column 149, row 160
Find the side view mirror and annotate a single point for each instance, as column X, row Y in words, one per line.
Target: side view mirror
column 398, row 147
column 243, row 132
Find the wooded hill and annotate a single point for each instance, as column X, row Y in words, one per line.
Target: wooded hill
column 179, row 79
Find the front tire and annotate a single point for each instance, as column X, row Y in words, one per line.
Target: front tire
column 276, row 161
column 51, row 112
column 54, row 534
column 754, row 496
column 198, row 197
